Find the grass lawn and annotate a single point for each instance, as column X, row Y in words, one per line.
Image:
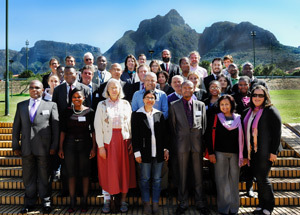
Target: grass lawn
column 286, row 101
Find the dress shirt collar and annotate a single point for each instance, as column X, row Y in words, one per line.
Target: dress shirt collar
column 142, row 110
column 190, row 102
column 179, row 96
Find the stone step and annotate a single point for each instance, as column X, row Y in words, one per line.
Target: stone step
column 6, row 124
column 5, row 130
column 6, row 152
column 5, row 144
column 10, row 161
column 287, row 162
column 287, row 153
column 5, row 136
column 11, row 171
column 284, row 172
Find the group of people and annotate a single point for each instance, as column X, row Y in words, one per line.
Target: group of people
column 122, row 126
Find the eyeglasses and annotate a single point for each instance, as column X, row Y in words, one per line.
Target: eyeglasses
column 258, row 95
column 214, row 88
column 150, row 98
column 88, row 59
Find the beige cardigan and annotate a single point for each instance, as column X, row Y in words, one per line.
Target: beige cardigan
column 103, row 124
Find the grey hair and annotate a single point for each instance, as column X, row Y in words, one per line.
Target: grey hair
column 88, row 54
column 178, row 76
column 105, row 93
column 187, row 82
column 152, row 74
column 196, row 53
column 166, row 50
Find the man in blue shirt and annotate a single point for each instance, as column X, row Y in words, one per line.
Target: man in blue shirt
column 161, row 102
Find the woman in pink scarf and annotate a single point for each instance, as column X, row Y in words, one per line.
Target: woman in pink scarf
column 227, row 153
column 262, row 127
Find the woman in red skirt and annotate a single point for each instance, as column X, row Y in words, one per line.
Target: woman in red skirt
column 116, row 168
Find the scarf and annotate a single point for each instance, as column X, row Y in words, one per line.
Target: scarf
column 235, row 124
column 254, row 129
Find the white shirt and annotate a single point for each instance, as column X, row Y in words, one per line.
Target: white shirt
column 179, row 96
column 37, row 104
column 68, row 89
column 249, row 133
column 201, row 71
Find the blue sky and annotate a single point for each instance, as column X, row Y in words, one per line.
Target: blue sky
column 101, row 23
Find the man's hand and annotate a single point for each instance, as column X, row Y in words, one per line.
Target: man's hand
column 61, row 154
column 18, row 152
column 212, row 158
column 166, row 155
column 138, row 159
column 52, row 151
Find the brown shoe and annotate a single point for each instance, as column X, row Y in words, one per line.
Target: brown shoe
column 147, row 208
column 155, row 208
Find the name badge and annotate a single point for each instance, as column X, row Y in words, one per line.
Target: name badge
column 198, row 113
column 81, row 119
column 97, row 95
column 45, row 112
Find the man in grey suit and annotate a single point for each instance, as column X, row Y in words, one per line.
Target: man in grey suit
column 188, row 123
column 37, row 121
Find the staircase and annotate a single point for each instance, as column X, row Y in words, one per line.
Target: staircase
column 284, row 175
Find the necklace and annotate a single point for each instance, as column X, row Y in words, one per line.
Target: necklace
column 77, row 112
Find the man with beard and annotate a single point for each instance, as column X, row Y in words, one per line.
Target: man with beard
column 101, row 75
column 167, row 66
column 217, row 66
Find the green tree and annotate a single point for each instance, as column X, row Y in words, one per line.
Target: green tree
column 26, row 74
column 206, row 65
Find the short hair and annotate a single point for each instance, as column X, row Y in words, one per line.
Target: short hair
column 244, row 78
column 166, row 50
column 187, row 82
column 88, row 54
column 164, row 73
column 247, row 64
column 267, row 102
column 69, row 56
column 125, row 63
column 105, row 93
column 233, row 65
column 183, row 58
column 77, row 90
column 101, row 57
column 153, row 75
column 196, row 53
column 217, row 59
column 70, row 68
column 152, row 92
column 88, row 67
column 52, row 59
column 231, row 100
column 178, row 76
column 228, row 57
column 153, row 62
column 142, row 55
column 143, row 65
column 52, row 75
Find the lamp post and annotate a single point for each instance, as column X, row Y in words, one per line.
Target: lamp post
column 7, row 63
column 27, row 43
column 253, row 34
column 11, row 88
column 151, row 53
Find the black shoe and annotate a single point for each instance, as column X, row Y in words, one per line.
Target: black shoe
column 203, row 210
column 26, row 209
column 47, row 209
column 258, row 211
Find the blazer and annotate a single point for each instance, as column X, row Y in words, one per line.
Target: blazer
column 173, row 70
column 186, row 138
column 39, row 137
column 103, row 124
column 141, row 135
column 125, row 77
column 60, row 96
column 96, row 78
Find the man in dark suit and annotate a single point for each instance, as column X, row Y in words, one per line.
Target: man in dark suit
column 86, row 78
column 217, row 65
column 167, row 66
column 37, row 121
column 101, row 75
column 188, row 124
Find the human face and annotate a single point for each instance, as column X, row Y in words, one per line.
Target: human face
column 248, row 71
column 53, row 82
column 35, row 89
column 70, row 61
column 185, row 66
column 166, row 56
column 223, row 82
column 113, row 91
column 130, row 64
column 150, row 82
column 257, row 101
column 233, row 71
column 161, row 79
column 142, row 71
column 149, row 100
column 176, row 85
column 225, row 107
column 214, row 90
column 102, row 63
column 77, row 99
column 227, row 62
column 60, row 72
column 154, row 67
column 70, row 75
column 193, row 78
column 243, row 87
column 88, row 60
column 217, row 67
column 142, row 59
column 187, row 91
column 194, row 60
column 116, row 71
column 53, row 65
column 87, row 76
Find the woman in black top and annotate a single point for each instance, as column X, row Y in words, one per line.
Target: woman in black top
column 162, row 80
column 214, row 93
column 225, row 141
column 262, row 127
column 242, row 97
column 77, row 145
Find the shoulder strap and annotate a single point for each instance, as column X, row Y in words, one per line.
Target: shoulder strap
column 214, row 131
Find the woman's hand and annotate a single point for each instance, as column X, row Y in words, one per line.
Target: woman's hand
column 245, row 162
column 138, row 159
column 212, row 158
column 102, row 152
column 273, row 157
column 92, row 153
column 166, row 155
column 61, row 154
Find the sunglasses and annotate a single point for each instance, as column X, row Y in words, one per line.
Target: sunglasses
column 258, row 95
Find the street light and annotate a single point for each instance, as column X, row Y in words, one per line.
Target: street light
column 253, row 34
column 7, row 63
column 27, row 43
column 11, row 89
column 151, row 53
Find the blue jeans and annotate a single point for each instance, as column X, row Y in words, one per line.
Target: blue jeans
column 146, row 169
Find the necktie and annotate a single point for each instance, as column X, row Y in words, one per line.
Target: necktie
column 143, row 86
column 69, row 95
column 32, row 111
column 167, row 67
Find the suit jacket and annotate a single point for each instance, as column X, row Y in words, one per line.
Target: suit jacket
column 141, row 135
column 130, row 80
column 173, row 70
column 39, row 137
column 96, row 78
column 60, row 96
column 207, row 80
column 187, row 139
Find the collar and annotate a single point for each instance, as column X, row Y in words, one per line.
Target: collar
column 179, row 96
column 131, row 72
column 38, row 99
column 189, row 101
column 142, row 110
column 112, row 102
